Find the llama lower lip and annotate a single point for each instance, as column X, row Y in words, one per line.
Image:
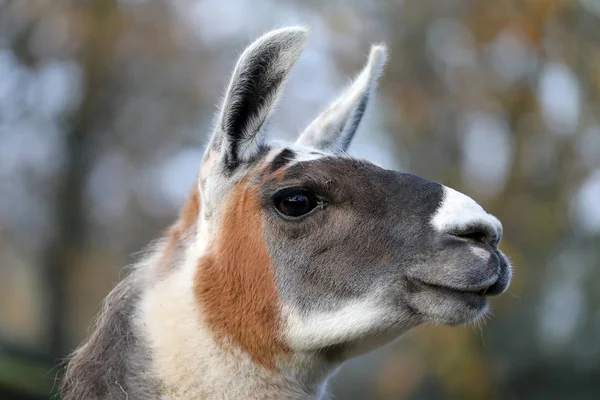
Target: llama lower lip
column 478, row 291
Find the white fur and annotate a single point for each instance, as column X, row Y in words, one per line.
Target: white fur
column 304, row 153
column 459, row 211
column 319, row 329
column 169, row 319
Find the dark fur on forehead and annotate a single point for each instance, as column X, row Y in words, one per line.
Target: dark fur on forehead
column 282, row 159
column 232, row 164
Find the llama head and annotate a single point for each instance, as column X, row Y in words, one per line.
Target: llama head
column 306, row 249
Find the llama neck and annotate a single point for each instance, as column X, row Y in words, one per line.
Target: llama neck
column 117, row 347
column 189, row 363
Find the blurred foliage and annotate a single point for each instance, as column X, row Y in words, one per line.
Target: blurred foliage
column 105, row 106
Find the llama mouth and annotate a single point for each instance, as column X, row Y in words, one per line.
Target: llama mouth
column 481, row 290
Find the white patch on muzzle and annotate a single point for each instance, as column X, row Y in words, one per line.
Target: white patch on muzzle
column 459, row 211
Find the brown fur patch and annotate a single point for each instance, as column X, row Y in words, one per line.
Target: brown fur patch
column 179, row 232
column 235, row 283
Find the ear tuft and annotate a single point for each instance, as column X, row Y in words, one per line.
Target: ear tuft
column 253, row 91
column 335, row 127
column 377, row 59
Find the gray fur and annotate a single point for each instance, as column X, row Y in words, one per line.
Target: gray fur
column 374, row 234
column 113, row 362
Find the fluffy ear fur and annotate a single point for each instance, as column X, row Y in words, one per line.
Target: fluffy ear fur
column 254, row 88
column 334, row 129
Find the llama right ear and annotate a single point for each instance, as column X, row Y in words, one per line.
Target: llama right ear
column 334, row 129
column 252, row 93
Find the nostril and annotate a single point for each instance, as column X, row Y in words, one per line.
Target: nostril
column 479, row 234
column 473, row 236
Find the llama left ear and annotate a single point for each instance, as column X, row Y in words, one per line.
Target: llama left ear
column 253, row 91
column 334, row 129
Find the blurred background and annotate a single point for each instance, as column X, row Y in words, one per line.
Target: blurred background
column 105, row 106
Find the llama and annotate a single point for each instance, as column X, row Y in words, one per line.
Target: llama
column 288, row 258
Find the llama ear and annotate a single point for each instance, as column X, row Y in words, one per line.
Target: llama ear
column 335, row 127
column 252, row 93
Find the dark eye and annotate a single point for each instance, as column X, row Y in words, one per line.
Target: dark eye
column 295, row 202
